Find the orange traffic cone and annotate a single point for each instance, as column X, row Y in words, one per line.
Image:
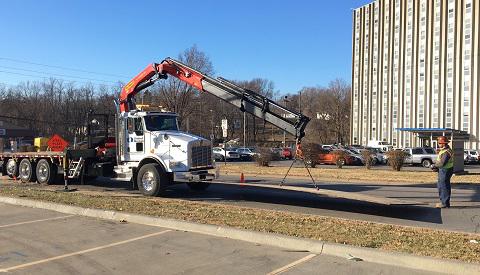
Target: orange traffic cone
column 242, row 179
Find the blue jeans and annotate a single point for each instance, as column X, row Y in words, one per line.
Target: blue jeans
column 443, row 185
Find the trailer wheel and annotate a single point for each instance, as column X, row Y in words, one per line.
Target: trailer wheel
column 45, row 172
column 151, row 179
column 12, row 168
column 198, row 186
column 26, row 171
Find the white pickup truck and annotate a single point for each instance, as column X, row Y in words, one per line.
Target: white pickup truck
column 382, row 145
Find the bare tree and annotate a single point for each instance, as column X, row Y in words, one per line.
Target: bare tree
column 176, row 95
column 329, row 109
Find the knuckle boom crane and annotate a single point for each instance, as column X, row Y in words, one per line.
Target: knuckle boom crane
column 246, row 100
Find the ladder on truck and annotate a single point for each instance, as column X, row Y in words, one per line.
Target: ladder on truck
column 75, row 168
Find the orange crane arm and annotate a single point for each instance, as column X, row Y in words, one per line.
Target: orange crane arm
column 154, row 72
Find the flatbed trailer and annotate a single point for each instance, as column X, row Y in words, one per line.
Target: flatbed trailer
column 47, row 166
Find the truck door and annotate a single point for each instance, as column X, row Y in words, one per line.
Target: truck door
column 135, row 139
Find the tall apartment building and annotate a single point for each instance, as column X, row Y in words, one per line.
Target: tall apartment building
column 415, row 65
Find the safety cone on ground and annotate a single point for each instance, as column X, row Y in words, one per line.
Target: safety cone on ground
column 242, row 179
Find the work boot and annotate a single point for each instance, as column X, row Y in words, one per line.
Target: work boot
column 439, row 205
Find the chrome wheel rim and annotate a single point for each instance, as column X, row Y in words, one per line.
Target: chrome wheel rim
column 148, row 181
column 42, row 172
column 25, row 170
column 11, row 167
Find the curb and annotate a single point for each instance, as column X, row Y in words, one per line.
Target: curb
column 285, row 242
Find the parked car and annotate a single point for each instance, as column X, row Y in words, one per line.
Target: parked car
column 329, row 147
column 328, row 157
column 378, row 155
column 420, row 155
column 219, row 154
column 277, row 153
column 474, row 156
column 287, row 153
column 246, row 153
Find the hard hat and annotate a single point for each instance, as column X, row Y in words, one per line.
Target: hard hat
column 443, row 140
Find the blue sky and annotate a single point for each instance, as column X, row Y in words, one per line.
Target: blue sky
column 295, row 44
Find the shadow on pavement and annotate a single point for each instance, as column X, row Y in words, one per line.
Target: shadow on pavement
column 220, row 193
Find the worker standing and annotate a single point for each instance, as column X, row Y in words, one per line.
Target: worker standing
column 444, row 166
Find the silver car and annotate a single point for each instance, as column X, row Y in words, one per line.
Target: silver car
column 425, row 156
column 219, row 154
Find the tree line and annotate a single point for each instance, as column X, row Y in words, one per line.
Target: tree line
column 57, row 106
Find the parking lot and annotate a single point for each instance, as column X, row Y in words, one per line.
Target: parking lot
column 46, row 242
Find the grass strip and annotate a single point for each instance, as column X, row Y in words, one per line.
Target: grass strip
column 346, row 175
column 417, row 241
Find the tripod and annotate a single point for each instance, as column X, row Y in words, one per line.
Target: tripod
column 299, row 157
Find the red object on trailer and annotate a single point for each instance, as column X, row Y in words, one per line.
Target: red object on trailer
column 57, row 143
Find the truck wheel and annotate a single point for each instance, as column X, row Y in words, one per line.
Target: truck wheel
column 198, row 186
column 12, row 168
column 45, row 171
column 151, row 179
column 426, row 163
column 26, row 171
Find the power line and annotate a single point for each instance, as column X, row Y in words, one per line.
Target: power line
column 62, row 75
column 35, row 120
column 60, row 67
column 45, row 77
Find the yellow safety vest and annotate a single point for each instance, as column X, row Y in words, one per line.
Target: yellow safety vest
column 449, row 163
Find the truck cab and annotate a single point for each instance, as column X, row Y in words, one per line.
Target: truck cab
column 154, row 138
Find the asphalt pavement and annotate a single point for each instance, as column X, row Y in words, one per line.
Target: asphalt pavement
column 45, row 242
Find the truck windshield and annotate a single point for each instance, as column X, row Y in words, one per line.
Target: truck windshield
column 161, row 123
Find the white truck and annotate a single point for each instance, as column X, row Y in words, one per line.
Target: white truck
column 148, row 148
column 382, row 145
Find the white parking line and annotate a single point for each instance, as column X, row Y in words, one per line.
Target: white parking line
column 287, row 267
column 34, row 221
column 82, row 251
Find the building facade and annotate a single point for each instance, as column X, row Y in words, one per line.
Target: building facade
column 415, row 65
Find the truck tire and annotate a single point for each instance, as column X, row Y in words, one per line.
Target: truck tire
column 12, row 168
column 45, row 172
column 198, row 186
column 426, row 163
column 151, row 179
column 27, row 171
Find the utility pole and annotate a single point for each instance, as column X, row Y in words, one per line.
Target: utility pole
column 300, row 102
column 212, row 135
column 244, row 129
column 285, row 100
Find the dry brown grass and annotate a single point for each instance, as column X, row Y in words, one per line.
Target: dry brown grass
column 418, row 241
column 346, row 175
